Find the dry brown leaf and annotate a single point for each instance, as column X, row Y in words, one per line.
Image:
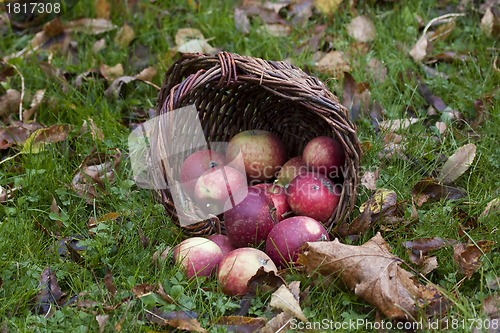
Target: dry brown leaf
column 37, row 140
column 457, row 163
column 276, row 30
column 147, row 74
column 369, row 179
column 278, row 323
column 124, row 36
column 180, row 320
column 491, row 207
column 111, row 73
column 36, row 101
column 362, row 29
column 50, row 292
column 420, row 50
column 241, row 21
column 99, row 45
column 395, row 125
column 467, row 256
column 90, row 26
column 428, row 265
column 108, row 283
column 9, row 102
column 490, row 23
column 284, row 300
column 96, row 132
column 241, row 324
column 377, row 69
column 102, row 9
column 190, row 40
column 95, row 170
column 334, row 63
column 372, row 272
column 441, row 127
column 143, row 289
column 184, row 35
column 429, row 189
column 102, row 320
column 327, row 7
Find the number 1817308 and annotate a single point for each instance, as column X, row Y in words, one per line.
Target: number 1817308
column 33, row 8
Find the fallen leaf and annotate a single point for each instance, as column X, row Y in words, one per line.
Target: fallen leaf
column 102, row 320
column 90, row 26
column 124, row 36
column 267, row 280
column 99, row 45
column 283, row 299
column 9, row 102
column 94, row 171
column 38, row 140
column 355, row 96
column 327, row 7
column 95, row 131
column 190, row 40
column 56, row 74
column 467, row 256
column 492, row 207
column 490, row 23
column 428, row 264
column 362, row 29
column 147, row 74
column 108, row 283
column 491, row 308
column 380, row 201
column 377, row 69
column 457, row 163
column 419, row 249
column 240, row 324
column 430, row 189
column 181, row 320
column 102, row 9
column 395, row 125
column 380, row 207
column 241, row 21
column 276, row 30
column 334, row 63
column 420, row 50
column 35, row 104
column 143, row 289
column 369, row 179
column 372, row 272
column 184, row 35
column 279, row 323
column 447, row 57
column 111, row 73
column 196, row 46
column 50, row 293
column 441, row 127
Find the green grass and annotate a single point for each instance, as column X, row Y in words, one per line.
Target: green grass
column 27, row 227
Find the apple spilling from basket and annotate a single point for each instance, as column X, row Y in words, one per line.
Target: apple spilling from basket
column 282, row 206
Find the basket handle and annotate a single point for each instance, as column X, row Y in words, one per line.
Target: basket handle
column 228, row 69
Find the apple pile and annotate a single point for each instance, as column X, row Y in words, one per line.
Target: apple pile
column 270, row 210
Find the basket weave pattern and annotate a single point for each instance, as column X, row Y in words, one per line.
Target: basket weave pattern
column 233, row 93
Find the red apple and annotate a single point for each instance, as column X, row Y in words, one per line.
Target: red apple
column 250, row 221
column 217, row 187
column 195, row 165
column 238, row 266
column 287, row 237
column 325, row 155
column 277, row 194
column 263, row 153
column 291, row 169
column 314, row 195
column 223, row 241
column 197, row 256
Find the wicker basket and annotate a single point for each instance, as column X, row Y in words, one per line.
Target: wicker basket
column 233, row 93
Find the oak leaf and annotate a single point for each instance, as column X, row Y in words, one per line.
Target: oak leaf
column 373, row 273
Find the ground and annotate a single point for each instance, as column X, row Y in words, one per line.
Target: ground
column 106, row 273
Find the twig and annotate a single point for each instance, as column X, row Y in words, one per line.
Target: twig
column 443, row 18
column 22, row 91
